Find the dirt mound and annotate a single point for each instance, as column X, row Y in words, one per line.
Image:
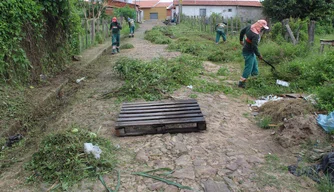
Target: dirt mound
column 285, row 109
column 299, row 129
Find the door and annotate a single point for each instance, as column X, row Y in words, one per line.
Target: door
column 153, row 15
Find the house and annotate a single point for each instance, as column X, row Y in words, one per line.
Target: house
column 155, row 9
column 248, row 10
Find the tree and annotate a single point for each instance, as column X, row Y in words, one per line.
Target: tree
column 312, row 9
column 93, row 8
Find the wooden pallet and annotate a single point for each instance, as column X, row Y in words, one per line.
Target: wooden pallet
column 160, row 117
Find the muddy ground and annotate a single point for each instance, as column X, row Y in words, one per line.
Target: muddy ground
column 225, row 157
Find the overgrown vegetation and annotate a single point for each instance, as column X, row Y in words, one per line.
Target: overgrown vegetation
column 61, row 158
column 25, row 38
column 152, row 80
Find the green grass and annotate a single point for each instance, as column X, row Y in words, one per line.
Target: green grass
column 274, row 173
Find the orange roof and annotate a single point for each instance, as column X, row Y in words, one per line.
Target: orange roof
column 164, row 4
column 146, row 4
column 219, row 2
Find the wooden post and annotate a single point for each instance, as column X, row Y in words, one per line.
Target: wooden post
column 92, row 31
column 284, row 23
column 311, row 29
column 291, row 34
column 86, row 30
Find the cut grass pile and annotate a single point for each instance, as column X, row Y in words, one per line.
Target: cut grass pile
column 61, row 158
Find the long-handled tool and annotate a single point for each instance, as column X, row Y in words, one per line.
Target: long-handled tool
column 269, row 64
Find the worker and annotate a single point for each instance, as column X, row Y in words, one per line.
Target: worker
column 220, row 32
column 115, row 28
column 249, row 39
column 131, row 26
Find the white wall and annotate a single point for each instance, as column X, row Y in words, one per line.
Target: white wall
column 253, row 13
column 194, row 10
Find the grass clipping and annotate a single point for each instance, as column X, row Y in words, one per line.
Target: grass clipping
column 285, row 108
column 61, row 158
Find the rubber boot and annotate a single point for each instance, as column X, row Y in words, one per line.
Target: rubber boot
column 117, row 49
column 242, row 84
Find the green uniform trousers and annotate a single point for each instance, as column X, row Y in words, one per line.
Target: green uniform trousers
column 218, row 34
column 251, row 65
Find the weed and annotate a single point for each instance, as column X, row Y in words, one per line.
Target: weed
column 222, row 71
column 61, row 158
column 326, row 184
column 194, row 96
column 127, row 46
column 264, row 122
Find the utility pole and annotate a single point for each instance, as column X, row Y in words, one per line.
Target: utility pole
column 180, row 11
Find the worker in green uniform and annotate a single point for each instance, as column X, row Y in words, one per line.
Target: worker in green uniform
column 220, row 32
column 115, row 28
column 250, row 38
column 131, row 26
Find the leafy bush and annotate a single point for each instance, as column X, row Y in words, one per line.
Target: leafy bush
column 325, row 96
column 60, row 157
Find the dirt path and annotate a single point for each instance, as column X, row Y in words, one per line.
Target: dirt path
column 220, row 159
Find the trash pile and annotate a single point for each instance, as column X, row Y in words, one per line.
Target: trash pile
column 325, row 167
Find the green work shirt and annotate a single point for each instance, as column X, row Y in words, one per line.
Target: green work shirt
column 251, row 42
column 115, row 27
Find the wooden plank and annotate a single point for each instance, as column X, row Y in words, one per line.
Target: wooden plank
column 158, row 103
column 157, row 122
column 147, row 118
column 158, row 107
column 164, row 113
column 122, row 132
column 161, row 110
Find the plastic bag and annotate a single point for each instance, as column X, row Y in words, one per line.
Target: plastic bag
column 326, row 121
column 94, row 149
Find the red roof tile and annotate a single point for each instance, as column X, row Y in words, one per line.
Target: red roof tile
column 164, row 4
column 146, row 4
column 219, row 2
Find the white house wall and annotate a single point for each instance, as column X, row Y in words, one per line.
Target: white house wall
column 246, row 13
column 194, row 10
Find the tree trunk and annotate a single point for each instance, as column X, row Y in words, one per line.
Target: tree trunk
column 284, row 23
column 311, row 29
column 293, row 39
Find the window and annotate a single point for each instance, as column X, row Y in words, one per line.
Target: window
column 229, row 10
column 202, row 12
